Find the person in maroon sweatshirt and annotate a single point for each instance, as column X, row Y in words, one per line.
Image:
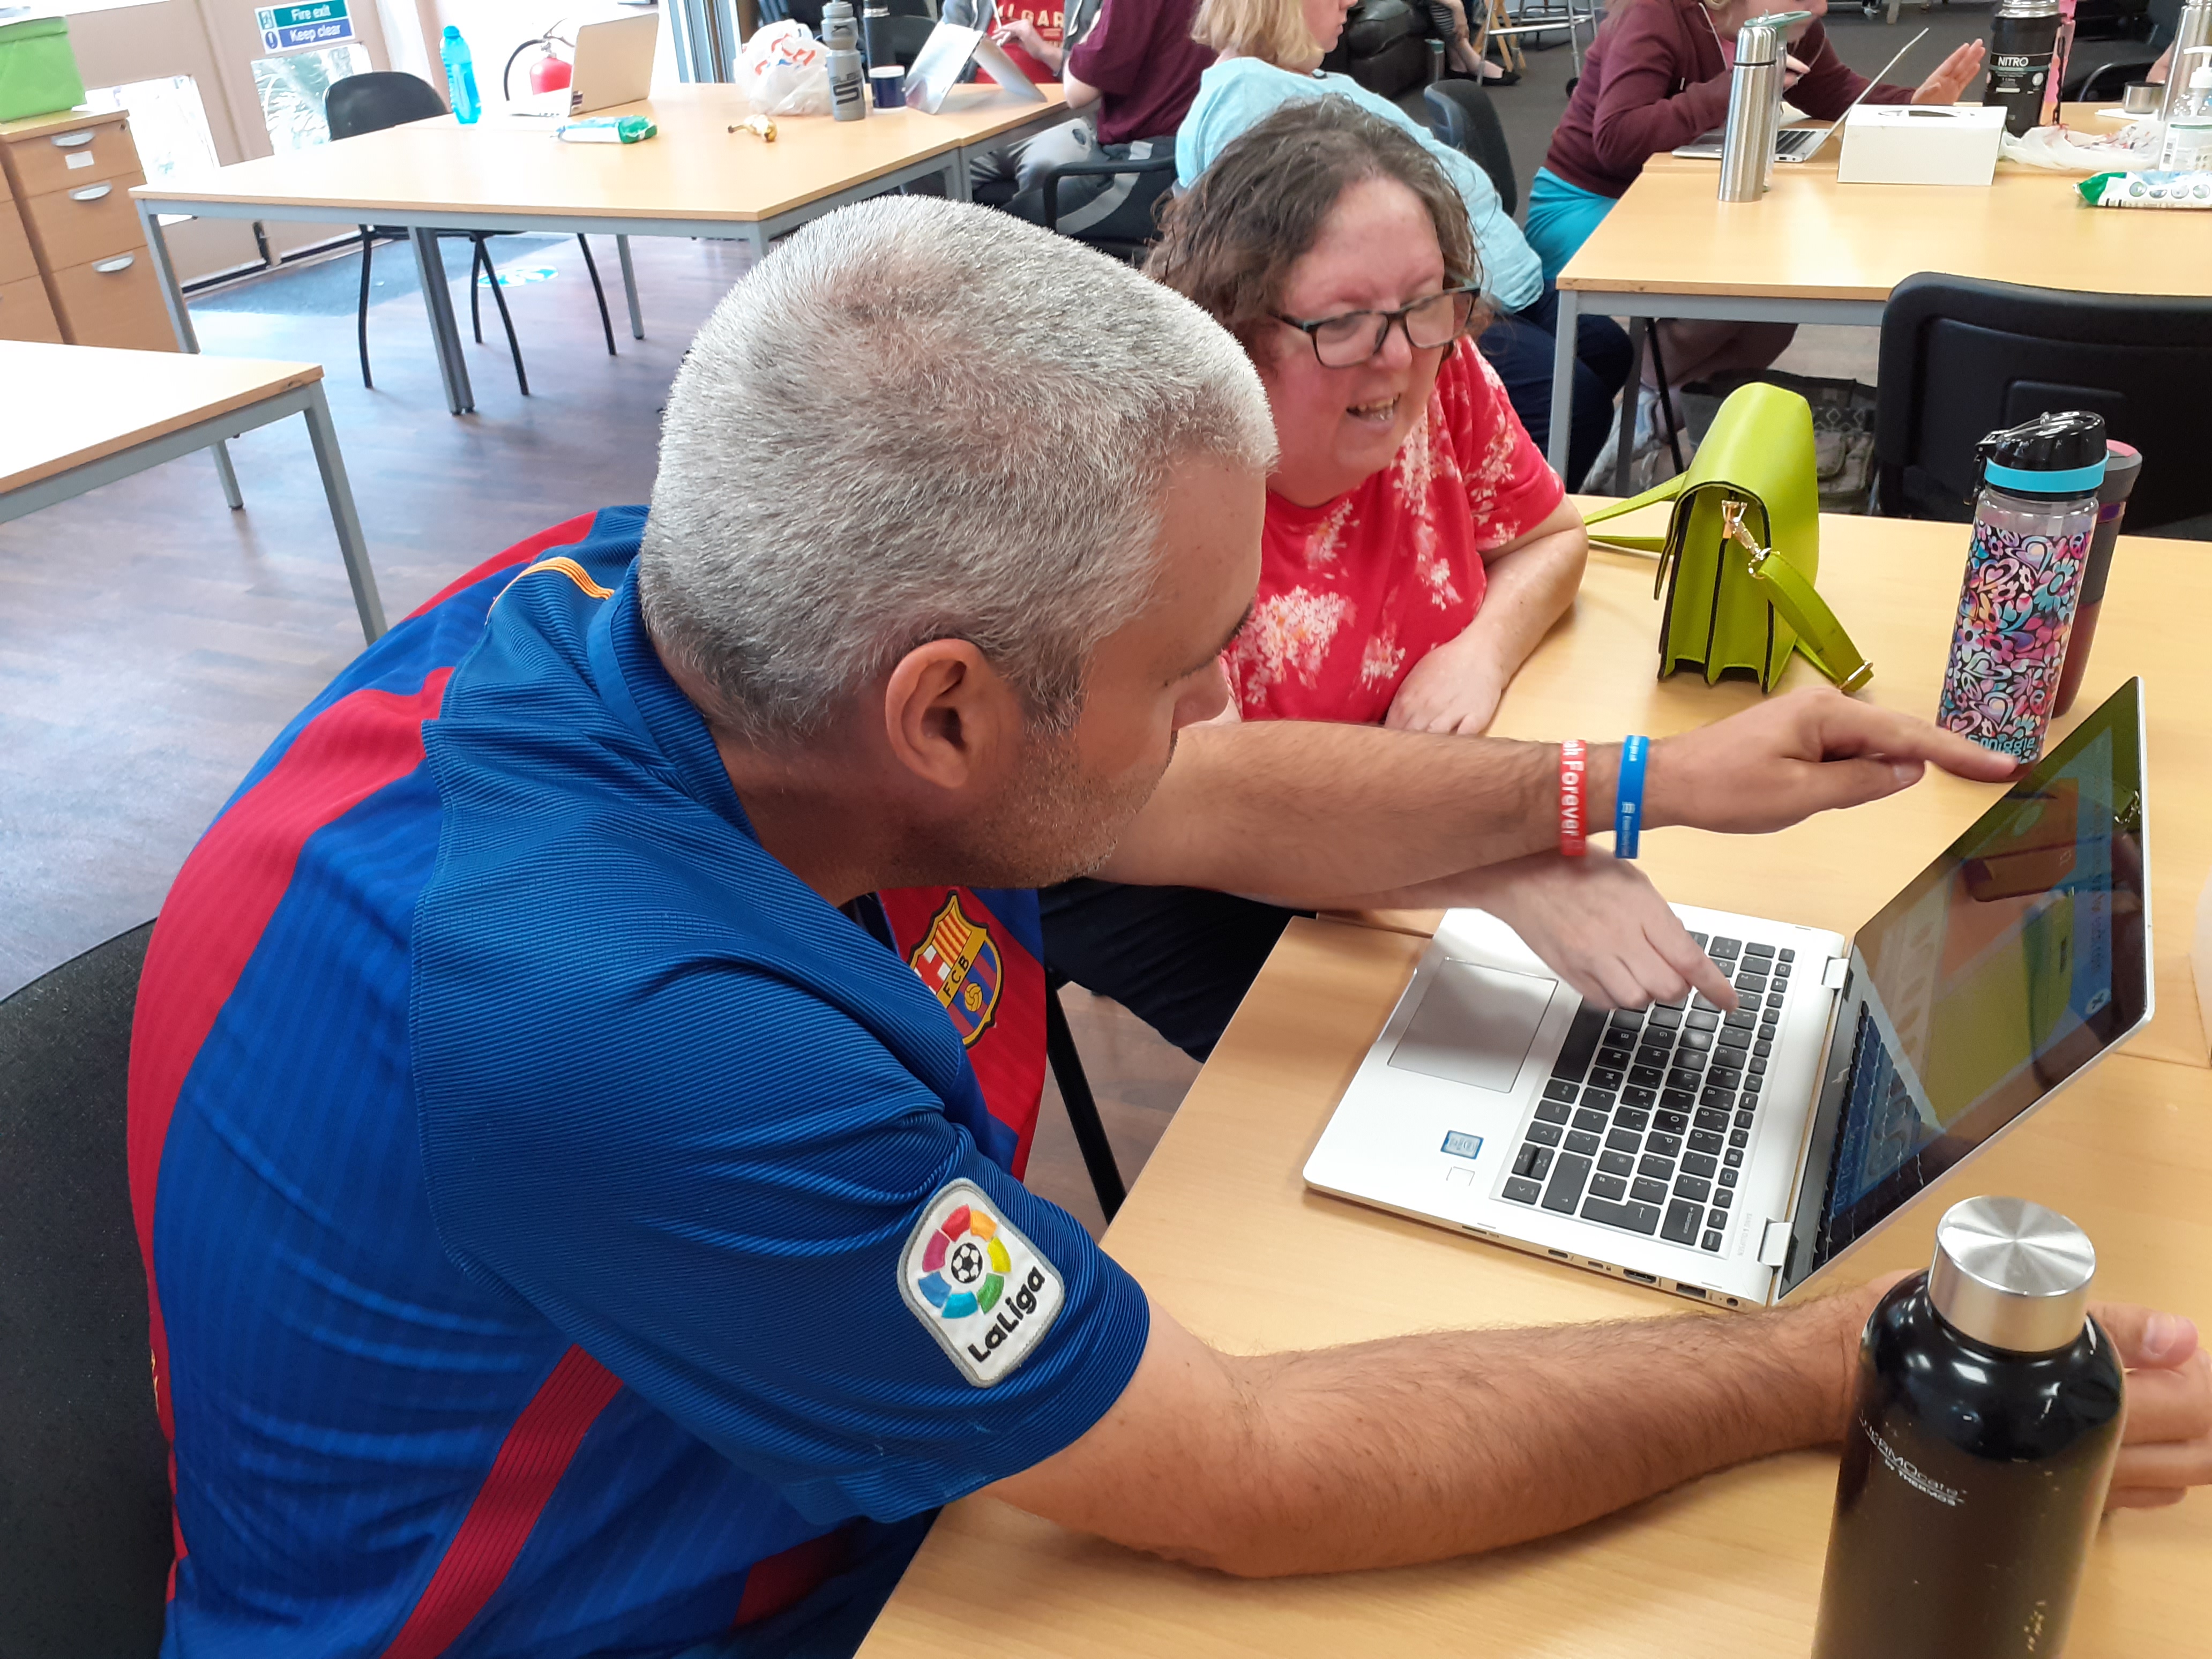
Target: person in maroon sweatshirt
column 1658, row 76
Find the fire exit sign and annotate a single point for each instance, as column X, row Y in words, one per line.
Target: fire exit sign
column 287, row 28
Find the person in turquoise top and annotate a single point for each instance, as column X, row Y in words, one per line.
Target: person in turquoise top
column 1268, row 51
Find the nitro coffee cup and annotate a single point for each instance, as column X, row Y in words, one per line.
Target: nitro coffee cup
column 1985, row 1425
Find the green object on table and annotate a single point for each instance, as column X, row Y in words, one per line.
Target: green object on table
column 610, row 130
column 1743, row 546
column 38, row 70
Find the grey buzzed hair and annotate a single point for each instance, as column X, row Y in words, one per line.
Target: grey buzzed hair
column 919, row 419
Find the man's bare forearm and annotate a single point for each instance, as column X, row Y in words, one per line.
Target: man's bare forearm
column 1311, row 813
column 1420, row 1449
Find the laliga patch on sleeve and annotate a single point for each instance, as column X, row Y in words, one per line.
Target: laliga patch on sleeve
column 984, row 1290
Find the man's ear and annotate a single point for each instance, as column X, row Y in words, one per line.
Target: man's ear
column 948, row 715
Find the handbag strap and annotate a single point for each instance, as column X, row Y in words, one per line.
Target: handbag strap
column 1820, row 635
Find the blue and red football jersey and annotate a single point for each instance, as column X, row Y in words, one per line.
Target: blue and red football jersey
column 560, row 1221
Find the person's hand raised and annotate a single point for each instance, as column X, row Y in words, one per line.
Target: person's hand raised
column 1794, row 755
column 1949, row 80
column 1023, row 33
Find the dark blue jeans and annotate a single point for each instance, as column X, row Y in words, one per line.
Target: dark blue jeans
column 1519, row 346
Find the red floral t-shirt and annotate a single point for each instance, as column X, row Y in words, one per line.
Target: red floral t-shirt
column 1355, row 592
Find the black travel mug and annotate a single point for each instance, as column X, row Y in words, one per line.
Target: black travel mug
column 2023, row 41
column 1983, row 1429
column 2122, row 466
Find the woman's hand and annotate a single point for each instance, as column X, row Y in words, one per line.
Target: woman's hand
column 1793, row 68
column 1951, row 75
column 1455, row 688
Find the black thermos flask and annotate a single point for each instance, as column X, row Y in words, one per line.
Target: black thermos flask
column 1983, row 1429
column 2023, row 41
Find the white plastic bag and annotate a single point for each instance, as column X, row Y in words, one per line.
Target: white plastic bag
column 2059, row 150
column 785, row 70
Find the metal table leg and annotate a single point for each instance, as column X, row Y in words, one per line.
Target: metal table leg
column 630, row 287
column 181, row 322
column 1624, row 444
column 353, row 546
column 445, row 333
column 1563, row 382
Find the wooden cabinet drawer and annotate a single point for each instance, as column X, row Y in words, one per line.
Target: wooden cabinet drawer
column 60, row 160
column 85, row 223
column 25, row 314
column 113, row 303
column 16, row 259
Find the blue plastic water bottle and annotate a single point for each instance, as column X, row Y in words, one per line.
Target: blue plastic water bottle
column 460, row 77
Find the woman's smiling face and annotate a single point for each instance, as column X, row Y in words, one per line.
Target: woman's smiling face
column 1336, row 427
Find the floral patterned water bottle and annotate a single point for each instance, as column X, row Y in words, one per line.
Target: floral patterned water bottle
column 2033, row 522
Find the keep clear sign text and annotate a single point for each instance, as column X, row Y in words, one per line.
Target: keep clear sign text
column 287, row 28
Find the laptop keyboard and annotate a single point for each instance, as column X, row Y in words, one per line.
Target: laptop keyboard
column 1646, row 1117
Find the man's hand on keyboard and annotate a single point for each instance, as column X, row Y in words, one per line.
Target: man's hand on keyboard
column 1794, row 755
column 1600, row 925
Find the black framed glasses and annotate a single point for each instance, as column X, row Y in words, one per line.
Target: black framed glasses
column 1348, row 341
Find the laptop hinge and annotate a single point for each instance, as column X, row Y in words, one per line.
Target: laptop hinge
column 1774, row 1244
column 1834, row 973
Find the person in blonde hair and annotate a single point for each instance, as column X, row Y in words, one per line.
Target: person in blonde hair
column 1267, row 53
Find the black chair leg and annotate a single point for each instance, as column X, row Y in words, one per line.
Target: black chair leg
column 360, row 323
column 1666, row 397
column 499, row 299
column 1082, row 1106
column 598, row 293
column 478, row 257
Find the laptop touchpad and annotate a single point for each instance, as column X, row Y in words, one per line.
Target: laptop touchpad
column 1474, row 1025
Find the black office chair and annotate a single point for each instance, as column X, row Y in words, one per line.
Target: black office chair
column 904, row 35
column 1156, row 177
column 84, row 1471
column 1461, row 115
column 1962, row 357
column 372, row 102
column 2104, row 83
column 1082, row 1105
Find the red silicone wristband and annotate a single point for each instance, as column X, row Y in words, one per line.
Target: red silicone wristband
column 1573, row 769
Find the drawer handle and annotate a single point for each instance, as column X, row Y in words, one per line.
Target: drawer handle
column 90, row 192
column 72, row 140
column 109, row 267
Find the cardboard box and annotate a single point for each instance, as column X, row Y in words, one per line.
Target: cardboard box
column 1921, row 144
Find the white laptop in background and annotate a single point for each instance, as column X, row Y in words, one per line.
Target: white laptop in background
column 1732, row 1157
column 1794, row 143
column 614, row 63
column 938, row 66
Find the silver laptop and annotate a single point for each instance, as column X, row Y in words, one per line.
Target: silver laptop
column 1731, row 1158
column 614, row 63
column 937, row 67
column 1795, row 143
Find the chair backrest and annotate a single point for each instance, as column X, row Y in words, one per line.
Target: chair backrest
column 1461, row 115
column 905, row 36
column 372, row 102
column 84, row 1481
column 2104, row 83
column 1961, row 358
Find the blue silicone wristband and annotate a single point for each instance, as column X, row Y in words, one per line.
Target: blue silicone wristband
column 1628, row 798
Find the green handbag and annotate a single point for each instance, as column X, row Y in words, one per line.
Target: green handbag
column 1742, row 548
column 38, row 70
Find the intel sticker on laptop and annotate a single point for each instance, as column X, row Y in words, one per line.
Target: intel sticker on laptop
column 1460, row 1144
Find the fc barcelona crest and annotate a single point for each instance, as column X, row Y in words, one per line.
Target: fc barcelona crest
column 959, row 959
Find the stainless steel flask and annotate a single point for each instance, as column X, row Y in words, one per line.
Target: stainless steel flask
column 1985, row 1425
column 2194, row 29
column 1754, row 113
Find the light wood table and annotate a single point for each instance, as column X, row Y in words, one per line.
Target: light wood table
column 1816, row 250
column 1221, row 1230
column 696, row 178
column 1893, row 583
column 75, row 417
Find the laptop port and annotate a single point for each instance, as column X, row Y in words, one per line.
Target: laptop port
column 1640, row 1278
column 1562, row 1255
column 1690, row 1290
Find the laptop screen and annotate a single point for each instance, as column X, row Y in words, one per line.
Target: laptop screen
column 2006, row 966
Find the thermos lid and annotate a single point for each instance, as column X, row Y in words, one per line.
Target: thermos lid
column 2027, row 8
column 2012, row 1274
column 2052, row 456
column 2122, row 466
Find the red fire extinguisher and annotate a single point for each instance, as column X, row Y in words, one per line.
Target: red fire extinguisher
column 549, row 71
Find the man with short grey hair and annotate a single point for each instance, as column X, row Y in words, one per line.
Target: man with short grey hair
column 570, row 1229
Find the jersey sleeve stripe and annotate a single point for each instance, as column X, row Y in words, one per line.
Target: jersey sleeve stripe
column 567, row 533
column 215, row 915
column 532, row 1460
